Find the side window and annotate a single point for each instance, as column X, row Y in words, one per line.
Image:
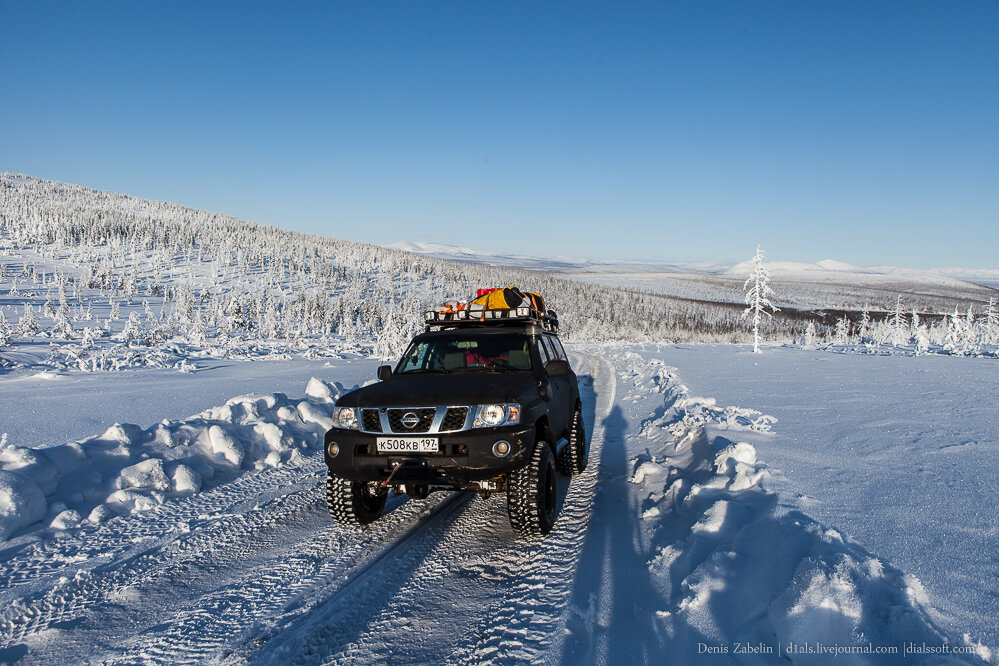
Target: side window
column 415, row 358
column 546, row 353
column 559, row 351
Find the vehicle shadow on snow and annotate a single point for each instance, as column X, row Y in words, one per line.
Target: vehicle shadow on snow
column 614, row 599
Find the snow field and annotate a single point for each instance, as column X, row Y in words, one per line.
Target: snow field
column 669, row 544
column 727, row 569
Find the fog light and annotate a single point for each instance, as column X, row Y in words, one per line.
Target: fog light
column 333, row 449
column 501, row 449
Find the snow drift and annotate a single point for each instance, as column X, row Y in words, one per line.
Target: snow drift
column 733, row 568
column 127, row 469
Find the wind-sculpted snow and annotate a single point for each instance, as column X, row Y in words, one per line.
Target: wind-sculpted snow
column 729, row 569
column 128, row 469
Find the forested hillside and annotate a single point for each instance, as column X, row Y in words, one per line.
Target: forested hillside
column 81, row 266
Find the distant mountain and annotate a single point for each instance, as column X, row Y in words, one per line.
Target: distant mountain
column 557, row 264
column 467, row 255
column 822, row 285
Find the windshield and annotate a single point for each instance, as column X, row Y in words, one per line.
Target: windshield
column 492, row 352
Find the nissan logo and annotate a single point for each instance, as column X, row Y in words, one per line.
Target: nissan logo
column 410, row 419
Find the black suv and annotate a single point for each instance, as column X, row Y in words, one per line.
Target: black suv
column 476, row 403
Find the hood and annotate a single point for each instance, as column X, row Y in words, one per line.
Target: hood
column 419, row 390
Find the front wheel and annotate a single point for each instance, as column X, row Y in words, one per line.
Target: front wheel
column 572, row 456
column 354, row 503
column 531, row 494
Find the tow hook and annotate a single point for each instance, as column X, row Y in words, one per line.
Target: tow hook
column 399, row 464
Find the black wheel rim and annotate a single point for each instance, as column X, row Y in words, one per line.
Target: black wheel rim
column 549, row 493
column 369, row 496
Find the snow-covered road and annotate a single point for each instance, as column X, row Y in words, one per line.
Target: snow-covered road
column 667, row 547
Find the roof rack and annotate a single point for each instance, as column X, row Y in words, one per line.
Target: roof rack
column 462, row 317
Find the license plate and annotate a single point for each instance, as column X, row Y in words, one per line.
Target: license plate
column 407, row 445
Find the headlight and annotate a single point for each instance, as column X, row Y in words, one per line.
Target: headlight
column 345, row 417
column 489, row 416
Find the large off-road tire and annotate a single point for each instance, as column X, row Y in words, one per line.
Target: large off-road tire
column 354, row 503
column 572, row 456
column 531, row 494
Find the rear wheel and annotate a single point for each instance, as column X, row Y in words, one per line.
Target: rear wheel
column 572, row 456
column 354, row 503
column 531, row 494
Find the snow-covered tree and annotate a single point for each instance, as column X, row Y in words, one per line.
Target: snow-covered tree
column 758, row 296
column 899, row 325
column 922, row 338
column 842, row 330
column 955, row 341
column 991, row 324
column 5, row 331
column 61, row 327
column 27, row 324
column 810, row 334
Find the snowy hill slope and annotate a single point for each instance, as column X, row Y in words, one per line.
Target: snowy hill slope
column 96, row 281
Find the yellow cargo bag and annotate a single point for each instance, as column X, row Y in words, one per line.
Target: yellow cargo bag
column 498, row 299
column 506, row 299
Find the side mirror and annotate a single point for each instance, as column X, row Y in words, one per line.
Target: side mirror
column 557, row 368
column 384, row 372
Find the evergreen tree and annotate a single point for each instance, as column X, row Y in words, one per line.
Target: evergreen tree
column 842, row 331
column 27, row 324
column 900, row 327
column 758, row 296
column 5, row 331
column 810, row 334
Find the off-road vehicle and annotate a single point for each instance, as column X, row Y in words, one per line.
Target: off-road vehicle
column 484, row 400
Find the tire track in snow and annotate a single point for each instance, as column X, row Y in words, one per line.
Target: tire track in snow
column 529, row 622
column 231, row 569
column 466, row 586
column 291, row 583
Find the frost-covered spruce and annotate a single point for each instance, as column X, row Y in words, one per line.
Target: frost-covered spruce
column 758, row 296
column 5, row 331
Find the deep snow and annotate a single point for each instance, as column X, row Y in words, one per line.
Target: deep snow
column 896, row 453
column 680, row 540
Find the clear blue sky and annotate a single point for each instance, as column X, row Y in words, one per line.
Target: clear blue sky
column 866, row 131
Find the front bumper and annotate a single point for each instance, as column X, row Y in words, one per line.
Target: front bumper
column 463, row 457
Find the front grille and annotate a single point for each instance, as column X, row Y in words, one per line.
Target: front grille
column 424, row 415
column 370, row 420
column 454, row 419
column 428, row 419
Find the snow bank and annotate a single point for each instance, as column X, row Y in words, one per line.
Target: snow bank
column 733, row 568
column 21, row 503
column 128, row 469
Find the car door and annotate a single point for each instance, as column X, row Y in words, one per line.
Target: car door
column 558, row 408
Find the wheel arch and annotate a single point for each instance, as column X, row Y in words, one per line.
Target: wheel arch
column 543, row 433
